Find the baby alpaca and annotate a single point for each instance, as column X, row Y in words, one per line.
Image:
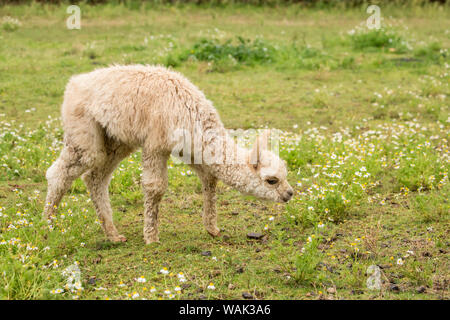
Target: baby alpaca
column 110, row 112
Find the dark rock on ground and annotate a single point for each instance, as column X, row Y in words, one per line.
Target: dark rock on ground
column 240, row 269
column 421, row 289
column 92, row 280
column 247, row 295
column 216, row 273
column 254, row 235
column 393, row 287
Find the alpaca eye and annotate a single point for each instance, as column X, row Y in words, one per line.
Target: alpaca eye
column 272, row 181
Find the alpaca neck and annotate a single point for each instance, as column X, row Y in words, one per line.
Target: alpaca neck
column 232, row 166
column 229, row 162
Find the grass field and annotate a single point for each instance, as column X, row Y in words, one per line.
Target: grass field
column 364, row 126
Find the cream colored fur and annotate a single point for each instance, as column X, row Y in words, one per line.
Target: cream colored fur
column 110, row 112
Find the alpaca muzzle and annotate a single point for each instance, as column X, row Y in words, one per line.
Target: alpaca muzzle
column 287, row 195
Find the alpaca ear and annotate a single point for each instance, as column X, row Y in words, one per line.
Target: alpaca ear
column 261, row 143
column 264, row 140
column 254, row 155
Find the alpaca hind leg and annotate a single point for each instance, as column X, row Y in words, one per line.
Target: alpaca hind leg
column 97, row 181
column 83, row 147
column 60, row 176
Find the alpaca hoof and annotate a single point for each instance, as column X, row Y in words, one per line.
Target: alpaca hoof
column 118, row 238
column 48, row 217
column 149, row 241
column 48, row 214
column 151, row 238
column 215, row 233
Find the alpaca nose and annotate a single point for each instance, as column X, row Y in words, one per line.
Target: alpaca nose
column 288, row 195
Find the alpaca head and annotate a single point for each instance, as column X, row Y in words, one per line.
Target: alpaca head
column 268, row 178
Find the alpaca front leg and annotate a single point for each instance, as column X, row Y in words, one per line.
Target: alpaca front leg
column 97, row 182
column 154, row 182
column 210, row 218
column 151, row 219
column 209, row 202
column 209, row 209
